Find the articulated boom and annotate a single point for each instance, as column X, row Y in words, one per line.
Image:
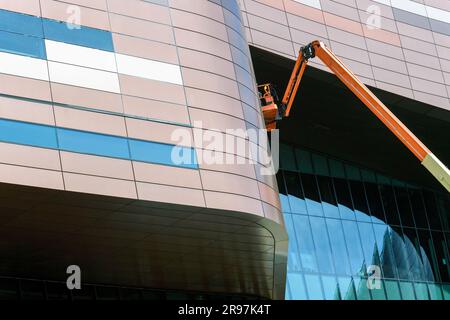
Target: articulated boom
column 273, row 112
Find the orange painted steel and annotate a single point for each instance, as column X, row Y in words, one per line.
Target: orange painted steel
column 294, row 83
column 371, row 101
column 272, row 112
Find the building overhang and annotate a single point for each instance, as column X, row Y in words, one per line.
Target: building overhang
column 139, row 243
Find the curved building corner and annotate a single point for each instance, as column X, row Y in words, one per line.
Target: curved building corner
column 99, row 100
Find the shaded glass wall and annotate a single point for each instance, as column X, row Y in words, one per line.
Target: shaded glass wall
column 356, row 234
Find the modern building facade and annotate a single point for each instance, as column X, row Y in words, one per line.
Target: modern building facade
column 125, row 150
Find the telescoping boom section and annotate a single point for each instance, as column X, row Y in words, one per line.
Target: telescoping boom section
column 274, row 112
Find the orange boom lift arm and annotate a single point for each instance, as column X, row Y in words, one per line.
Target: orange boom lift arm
column 273, row 113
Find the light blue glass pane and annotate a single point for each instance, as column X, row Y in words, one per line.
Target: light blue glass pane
column 346, row 288
column 338, row 246
column 446, row 291
column 284, row 201
column 297, row 204
column 28, row 134
column 321, row 241
column 421, row 291
column 330, row 210
column 330, row 288
column 400, row 254
column 312, row 198
column 295, row 193
column 413, row 258
column 23, row 45
column 346, row 212
column 296, row 286
column 435, row 291
column 78, row 35
column 362, row 291
column 344, row 199
column 360, row 201
column 377, row 292
column 153, row 152
column 93, row 143
column 384, row 244
column 407, row 290
column 313, row 286
column 305, row 243
column 329, row 203
column 392, row 290
column 354, row 247
column 368, row 243
column 20, row 23
column 293, row 259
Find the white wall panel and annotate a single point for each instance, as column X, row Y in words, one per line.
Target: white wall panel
column 149, row 69
column 81, row 56
column 84, row 77
column 418, row 8
column 23, row 66
column 311, row 3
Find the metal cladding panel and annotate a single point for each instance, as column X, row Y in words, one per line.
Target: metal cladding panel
column 123, row 98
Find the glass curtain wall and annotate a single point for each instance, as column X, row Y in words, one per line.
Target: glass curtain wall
column 357, row 234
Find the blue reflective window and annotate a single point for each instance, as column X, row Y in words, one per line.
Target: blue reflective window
column 360, row 201
column 392, row 290
column 384, row 243
column 22, row 44
column 330, row 288
column 321, row 241
column 407, row 290
column 28, row 134
column 404, row 207
column 78, row 35
column 344, row 199
column 375, row 205
column 346, row 288
column 295, row 193
column 446, row 291
column 20, row 23
column 312, row 198
column 435, row 291
column 354, row 247
column 368, row 243
column 293, row 260
column 313, row 287
column 338, row 246
column 305, row 243
column 328, row 197
column 296, row 287
column 153, row 152
column 284, row 200
column 400, row 253
column 361, row 288
column 93, row 143
column 413, row 254
column 378, row 292
column 421, row 291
